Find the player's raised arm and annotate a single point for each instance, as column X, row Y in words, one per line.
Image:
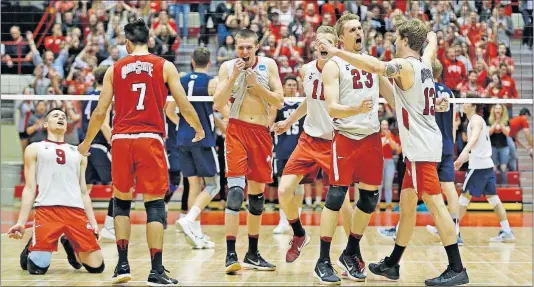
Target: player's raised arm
column 28, row 193
column 223, row 92
column 431, row 49
column 100, row 114
column 386, row 90
column 275, row 96
column 87, row 205
column 178, row 93
column 330, row 77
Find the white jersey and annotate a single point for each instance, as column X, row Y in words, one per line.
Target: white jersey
column 58, row 175
column 317, row 122
column 480, row 155
column 354, row 86
column 419, row 134
column 239, row 89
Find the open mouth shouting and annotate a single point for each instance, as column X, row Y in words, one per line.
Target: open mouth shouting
column 61, row 123
column 324, row 53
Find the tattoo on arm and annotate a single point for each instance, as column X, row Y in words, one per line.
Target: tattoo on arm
column 392, row 69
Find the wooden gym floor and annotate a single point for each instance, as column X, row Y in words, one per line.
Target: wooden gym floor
column 487, row 263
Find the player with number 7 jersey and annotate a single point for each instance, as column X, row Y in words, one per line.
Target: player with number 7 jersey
column 139, row 84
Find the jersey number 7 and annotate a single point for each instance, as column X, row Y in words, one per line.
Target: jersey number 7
column 141, row 103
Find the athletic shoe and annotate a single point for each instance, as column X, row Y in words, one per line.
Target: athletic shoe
column 295, row 247
column 232, row 264
column 71, row 255
column 318, row 207
column 353, row 265
column 24, row 255
column 255, row 261
column 422, row 208
column 190, row 237
column 503, row 237
column 449, row 278
column 121, row 274
column 207, row 244
column 326, row 273
column 160, row 279
column 381, row 269
column 282, row 227
column 433, row 230
column 388, row 232
column 108, row 234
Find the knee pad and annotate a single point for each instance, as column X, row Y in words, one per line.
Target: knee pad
column 494, row 200
column 121, row 207
column 335, row 197
column 155, row 211
column 300, row 189
column 464, row 201
column 237, row 181
column 174, row 177
column 255, row 203
column 38, row 262
column 236, row 196
column 90, row 269
column 213, row 185
column 368, row 200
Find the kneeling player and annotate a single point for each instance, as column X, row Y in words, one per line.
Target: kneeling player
column 63, row 205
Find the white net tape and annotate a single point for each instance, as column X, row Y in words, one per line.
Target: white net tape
column 209, row 99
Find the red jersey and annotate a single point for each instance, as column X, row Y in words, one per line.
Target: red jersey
column 453, row 73
column 517, row 124
column 140, row 95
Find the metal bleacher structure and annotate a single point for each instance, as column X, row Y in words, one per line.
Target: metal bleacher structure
column 517, row 195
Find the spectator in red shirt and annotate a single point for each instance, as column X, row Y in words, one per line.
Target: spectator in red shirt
column 482, row 73
column 495, row 88
column 53, row 43
column 502, row 58
column 163, row 19
column 471, row 85
column 285, row 69
column 390, row 145
column 507, row 81
column 275, row 25
column 454, row 71
column 311, row 16
column 518, row 124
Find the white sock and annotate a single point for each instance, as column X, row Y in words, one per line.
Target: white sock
column 166, row 208
column 196, row 227
column 505, row 226
column 192, row 214
column 308, row 200
column 109, row 223
column 300, row 211
column 283, row 217
column 318, row 199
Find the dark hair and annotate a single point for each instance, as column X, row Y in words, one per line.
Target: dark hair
column 471, row 72
column 201, row 56
column 289, row 78
column 473, row 95
column 99, row 74
column 137, row 32
column 55, row 109
column 524, row 111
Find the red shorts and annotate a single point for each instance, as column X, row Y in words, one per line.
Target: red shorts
column 140, row 161
column 310, row 155
column 356, row 160
column 425, row 175
column 53, row 221
column 249, row 151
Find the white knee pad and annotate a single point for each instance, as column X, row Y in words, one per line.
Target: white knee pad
column 494, row 200
column 213, row 185
column 41, row 258
column 463, row 201
column 300, row 189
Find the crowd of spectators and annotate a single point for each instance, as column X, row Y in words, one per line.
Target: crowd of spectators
column 474, row 38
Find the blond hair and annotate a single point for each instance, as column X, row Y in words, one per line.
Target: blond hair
column 504, row 115
column 415, row 31
column 247, row 34
column 327, row 30
column 437, row 68
column 342, row 20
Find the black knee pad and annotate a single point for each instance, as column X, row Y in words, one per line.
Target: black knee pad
column 155, row 211
column 368, row 200
column 335, row 197
column 255, row 203
column 236, row 196
column 90, row 269
column 121, row 207
column 174, row 177
column 36, row 270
